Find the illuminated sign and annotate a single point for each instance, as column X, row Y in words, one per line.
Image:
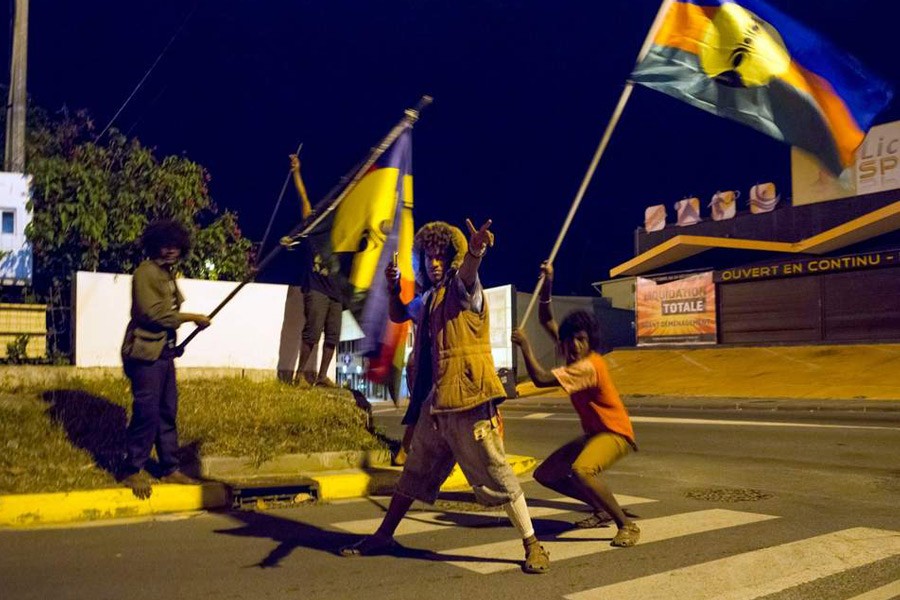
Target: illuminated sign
column 811, row 266
column 680, row 311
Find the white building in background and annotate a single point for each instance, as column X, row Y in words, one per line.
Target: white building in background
column 15, row 251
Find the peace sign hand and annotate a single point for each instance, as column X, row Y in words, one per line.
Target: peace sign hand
column 480, row 239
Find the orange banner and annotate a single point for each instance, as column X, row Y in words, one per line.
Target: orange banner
column 682, row 311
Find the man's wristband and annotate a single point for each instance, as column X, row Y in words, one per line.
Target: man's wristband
column 547, row 301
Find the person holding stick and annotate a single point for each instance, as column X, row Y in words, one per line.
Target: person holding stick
column 576, row 467
column 455, row 390
column 148, row 355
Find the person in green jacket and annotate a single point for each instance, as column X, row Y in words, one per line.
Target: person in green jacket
column 148, row 356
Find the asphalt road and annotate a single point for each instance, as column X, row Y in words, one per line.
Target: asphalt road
column 732, row 504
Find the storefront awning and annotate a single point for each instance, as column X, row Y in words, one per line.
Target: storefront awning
column 878, row 222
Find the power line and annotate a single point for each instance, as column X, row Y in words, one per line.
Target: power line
column 150, row 70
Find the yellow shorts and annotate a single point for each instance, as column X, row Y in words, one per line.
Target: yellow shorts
column 599, row 452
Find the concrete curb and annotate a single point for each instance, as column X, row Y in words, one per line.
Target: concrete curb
column 29, row 510
column 23, row 510
column 357, row 483
column 228, row 468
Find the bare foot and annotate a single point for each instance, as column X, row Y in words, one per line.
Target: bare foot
column 140, row 484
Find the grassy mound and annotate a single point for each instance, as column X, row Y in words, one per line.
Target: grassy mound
column 72, row 437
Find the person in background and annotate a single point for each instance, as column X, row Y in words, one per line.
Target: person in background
column 321, row 303
column 148, row 356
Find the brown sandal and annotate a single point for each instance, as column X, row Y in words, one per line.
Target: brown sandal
column 597, row 519
column 537, row 559
column 628, row 536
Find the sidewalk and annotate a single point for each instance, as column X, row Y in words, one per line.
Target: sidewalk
column 851, row 377
column 556, row 398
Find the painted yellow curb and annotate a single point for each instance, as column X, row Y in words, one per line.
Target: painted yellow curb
column 22, row 510
column 358, row 483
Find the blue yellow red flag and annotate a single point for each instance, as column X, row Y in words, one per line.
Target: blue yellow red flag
column 749, row 62
column 358, row 239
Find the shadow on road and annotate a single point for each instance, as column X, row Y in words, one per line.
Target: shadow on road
column 290, row 535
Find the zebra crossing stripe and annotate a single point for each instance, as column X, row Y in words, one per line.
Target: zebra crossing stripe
column 538, row 416
column 762, row 572
column 502, row 556
column 890, row 591
column 421, row 522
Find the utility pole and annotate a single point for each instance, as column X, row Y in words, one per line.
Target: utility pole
column 17, row 106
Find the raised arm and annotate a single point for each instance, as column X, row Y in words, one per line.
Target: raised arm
column 545, row 308
column 305, row 206
column 540, row 376
column 479, row 241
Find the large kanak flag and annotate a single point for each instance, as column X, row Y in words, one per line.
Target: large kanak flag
column 749, row 62
column 358, row 239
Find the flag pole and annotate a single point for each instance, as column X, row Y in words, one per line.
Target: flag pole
column 410, row 116
column 287, row 180
column 598, row 154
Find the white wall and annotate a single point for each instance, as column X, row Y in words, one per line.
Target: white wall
column 500, row 309
column 245, row 334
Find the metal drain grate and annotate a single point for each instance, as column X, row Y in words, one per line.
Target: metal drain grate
column 727, row 495
column 264, row 496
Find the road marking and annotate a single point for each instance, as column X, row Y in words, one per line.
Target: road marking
column 780, row 355
column 728, row 422
column 420, row 522
column 538, row 416
column 761, row 572
column 682, row 421
column 890, row 591
column 502, row 556
column 695, row 363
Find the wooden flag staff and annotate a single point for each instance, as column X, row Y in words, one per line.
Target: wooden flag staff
column 410, row 116
column 601, row 148
column 287, row 180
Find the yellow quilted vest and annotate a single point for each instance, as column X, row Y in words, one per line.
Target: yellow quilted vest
column 464, row 373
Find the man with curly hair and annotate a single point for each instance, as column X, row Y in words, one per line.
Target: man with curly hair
column 575, row 469
column 454, row 390
column 148, row 355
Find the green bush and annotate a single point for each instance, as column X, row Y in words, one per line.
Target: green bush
column 17, row 350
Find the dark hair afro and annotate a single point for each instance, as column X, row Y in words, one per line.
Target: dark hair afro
column 438, row 238
column 580, row 320
column 165, row 233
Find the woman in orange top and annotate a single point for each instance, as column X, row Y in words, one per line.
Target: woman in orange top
column 575, row 468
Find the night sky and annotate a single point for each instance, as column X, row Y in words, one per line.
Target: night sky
column 523, row 91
